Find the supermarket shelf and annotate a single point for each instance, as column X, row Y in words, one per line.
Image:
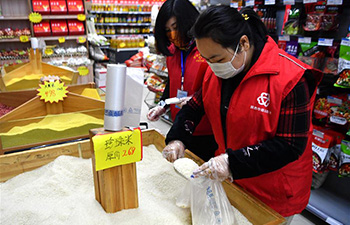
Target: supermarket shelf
column 54, row 17
column 112, row 12
column 14, row 18
column 125, row 49
column 10, row 40
column 123, row 24
column 117, row 35
column 331, row 202
column 73, row 37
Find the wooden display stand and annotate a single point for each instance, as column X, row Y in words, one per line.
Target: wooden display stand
column 37, row 67
column 252, row 208
column 28, row 101
column 116, row 187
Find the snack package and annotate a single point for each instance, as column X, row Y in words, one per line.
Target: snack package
column 344, row 55
column 322, row 110
column 330, row 19
column 312, row 54
column 335, row 150
column 292, row 48
column 314, row 13
column 344, row 79
column 321, row 143
column 344, row 164
column 291, row 23
column 331, row 66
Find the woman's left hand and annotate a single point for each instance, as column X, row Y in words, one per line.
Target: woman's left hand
column 216, row 168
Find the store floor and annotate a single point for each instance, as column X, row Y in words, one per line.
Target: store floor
column 305, row 218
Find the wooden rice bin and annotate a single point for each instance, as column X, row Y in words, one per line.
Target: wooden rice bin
column 252, row 208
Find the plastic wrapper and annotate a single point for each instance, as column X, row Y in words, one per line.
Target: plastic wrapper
column 321, row 143
column 318, row 179
column 331, row 66
column 344, row 79
column 155, row 83
column 344, row 165
column 209, row 203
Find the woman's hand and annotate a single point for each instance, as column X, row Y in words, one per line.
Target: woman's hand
column 216, row 168
column 174, row 150
column 155, row 113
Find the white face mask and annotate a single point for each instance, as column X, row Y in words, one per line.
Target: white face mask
column 227, row 70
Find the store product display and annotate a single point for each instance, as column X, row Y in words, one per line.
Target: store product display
column 9, row 33
column 50, row 127
column 63, row 191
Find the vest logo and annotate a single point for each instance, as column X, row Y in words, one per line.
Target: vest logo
column 198, row 58
column 264, row 99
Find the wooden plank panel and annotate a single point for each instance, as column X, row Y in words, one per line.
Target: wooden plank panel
column 16, row 163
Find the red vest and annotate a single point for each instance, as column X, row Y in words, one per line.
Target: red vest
column 195, row 68
column 253, row 117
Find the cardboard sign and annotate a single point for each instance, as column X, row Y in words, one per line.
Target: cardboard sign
column 61, row 40
column 81, row 40
column 35, row 17
column 118, row 148
column 83, row 70
column 48, row 51
column 81, row 17
column 24, row 38
column 52, row 91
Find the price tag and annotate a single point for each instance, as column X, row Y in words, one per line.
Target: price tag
column 270, row 2
column 325, row 42
column 52, row 91
column 24, row 38
column 61, row 40
column 81, row 40
column 234, row 5
column 284, row 38
column 345, row 42
column 118, row 148
column 83, row 70
column 289, row 2
column 249, row 2
column 309, row 1
column 48, row 51
column 334, row 2
column 304, row 40
column 35, row 17
column 81, row 17
column 338, row 120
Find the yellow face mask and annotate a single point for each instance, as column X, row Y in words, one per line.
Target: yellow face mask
column 174, row 38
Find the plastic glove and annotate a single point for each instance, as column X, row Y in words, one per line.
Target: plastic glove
column 174, row 150
column 216, row 168
column 155, row 113
column 183, row 102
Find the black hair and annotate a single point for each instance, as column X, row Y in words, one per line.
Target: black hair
column 225, row 25
column 185, row 14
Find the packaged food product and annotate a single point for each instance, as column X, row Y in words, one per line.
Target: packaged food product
column 344, row 55
column 335, row 150
column 321, row 143
column 322, row 109
column 331, row 66
column 344, row 165
column 344, row 79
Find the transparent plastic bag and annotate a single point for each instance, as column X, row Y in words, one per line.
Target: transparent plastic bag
column 209, row 203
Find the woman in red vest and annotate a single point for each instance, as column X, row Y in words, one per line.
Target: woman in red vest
column 186, row 68
column 259, row 101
